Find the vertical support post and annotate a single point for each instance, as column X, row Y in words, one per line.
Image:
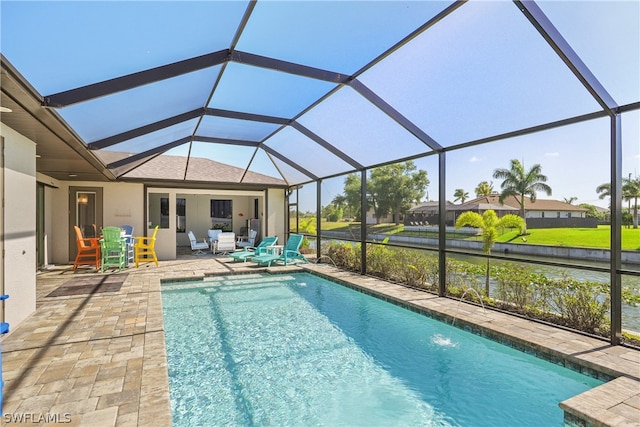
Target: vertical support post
column 287, row 210
column 264, row 215
column 318, row 218
column 363, row 221
column 616, row 233
column 297, row 212
column 442, row 224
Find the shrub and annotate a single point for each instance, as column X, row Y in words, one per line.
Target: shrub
column 581, row 305
column 515, row 285
column 461, row 275
column 345, row 255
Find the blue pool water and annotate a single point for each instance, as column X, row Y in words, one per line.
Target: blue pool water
column 299, row 350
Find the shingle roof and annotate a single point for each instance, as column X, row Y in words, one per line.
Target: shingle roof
column 482, row 206
column 199, row 169
column 538, row 205
column 428, row 207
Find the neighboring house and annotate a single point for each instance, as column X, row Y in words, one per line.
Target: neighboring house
column 427, row 213
column 371, row 218
column 543, row 213
column 541, row 208
column 483, row 204
column 605, row 214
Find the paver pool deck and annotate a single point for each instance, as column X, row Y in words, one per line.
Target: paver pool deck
column 99, row 359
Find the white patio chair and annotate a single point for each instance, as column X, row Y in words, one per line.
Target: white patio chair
column 197, row 247
column 226, row 243
column 247, row 241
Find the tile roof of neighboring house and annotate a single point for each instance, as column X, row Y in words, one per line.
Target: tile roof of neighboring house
column 427, row 207
column 480, row 205
column 538, row 205
column 200, row 169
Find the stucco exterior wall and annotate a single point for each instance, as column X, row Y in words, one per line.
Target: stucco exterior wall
column 123, row 203
column 275, row 215
column 554, row 214
column 19, row 226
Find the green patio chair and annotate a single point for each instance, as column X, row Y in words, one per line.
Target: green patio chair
column 250, row 252
column 113, row 247
column 290, row 253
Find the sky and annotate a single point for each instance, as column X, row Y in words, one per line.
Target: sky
column 482, row 71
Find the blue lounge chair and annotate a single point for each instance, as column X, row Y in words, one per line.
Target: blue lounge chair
column 250, row 252
column 290, row 253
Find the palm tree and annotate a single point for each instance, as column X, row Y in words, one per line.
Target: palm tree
column 340, row 202
column 604, row 190
column 489, row 224
column 484, row 189
column 307, row 225
column 461, row 195
column 570, row 200
column 631, row 191
column 519, row 183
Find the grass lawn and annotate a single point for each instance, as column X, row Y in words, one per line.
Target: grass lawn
column 574, row 237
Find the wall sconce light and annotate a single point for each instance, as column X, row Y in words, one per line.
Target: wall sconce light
column 240, row 214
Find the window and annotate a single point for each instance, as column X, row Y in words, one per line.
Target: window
column 86, row 215
column 221, row 215
column 181, row 215
column 158, row 210
column 164, row 212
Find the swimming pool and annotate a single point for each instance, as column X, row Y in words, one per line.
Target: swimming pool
column 301, row 350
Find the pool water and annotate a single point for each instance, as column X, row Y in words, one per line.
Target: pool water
column 299, row 350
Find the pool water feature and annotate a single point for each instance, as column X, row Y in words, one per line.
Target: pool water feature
column 300, row 350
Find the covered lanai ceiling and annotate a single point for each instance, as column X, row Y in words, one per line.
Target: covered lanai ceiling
column 283, row 93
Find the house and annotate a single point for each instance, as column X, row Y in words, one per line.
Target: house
column 426, row 213
column 371, row 218
column 542, row 213
column 541, row 208
column 483, row 204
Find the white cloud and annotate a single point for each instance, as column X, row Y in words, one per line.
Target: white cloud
column 474, row 159
column 552, row 154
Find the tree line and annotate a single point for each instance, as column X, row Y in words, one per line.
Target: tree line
column 394, row 189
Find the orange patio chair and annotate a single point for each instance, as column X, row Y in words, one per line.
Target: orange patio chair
column 88, row 250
